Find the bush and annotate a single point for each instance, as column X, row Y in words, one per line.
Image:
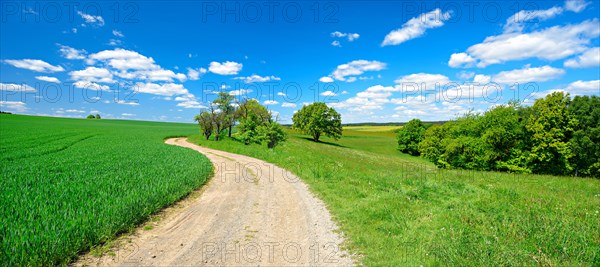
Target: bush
column 272, row 133
column 556, row 136
column 410, row 136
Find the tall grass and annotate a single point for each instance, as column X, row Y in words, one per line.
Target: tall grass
column 398, row 210
column 70, row 184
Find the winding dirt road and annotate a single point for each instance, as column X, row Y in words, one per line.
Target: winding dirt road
column 251, row 213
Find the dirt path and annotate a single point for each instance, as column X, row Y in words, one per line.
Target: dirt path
column 250, row 213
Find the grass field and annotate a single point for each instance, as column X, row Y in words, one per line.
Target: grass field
column 398, row 210
column 70, row 184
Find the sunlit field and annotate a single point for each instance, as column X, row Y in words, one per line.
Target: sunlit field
column 378, row 129
column 70, row 184
column 398, row 210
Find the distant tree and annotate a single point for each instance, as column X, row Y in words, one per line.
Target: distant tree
column 317, row 119
column 225, row 102
column 410, row 135
column 91, row 116
column 98, row 116
column 551, row 126
column 204, row 119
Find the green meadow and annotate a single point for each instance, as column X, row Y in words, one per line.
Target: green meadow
column 70, row 184
column 399, row 210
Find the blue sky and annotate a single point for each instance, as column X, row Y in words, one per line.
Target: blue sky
column 387, row 61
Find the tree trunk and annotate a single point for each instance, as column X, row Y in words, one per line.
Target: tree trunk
column 316, row 137
column 230, row 130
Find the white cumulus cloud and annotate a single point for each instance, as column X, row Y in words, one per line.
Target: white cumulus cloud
column 590, row 58
column 257, row 78
column 91, row 19
column 225, row 68
column 72, row 53
column 13, row 87
column 48, row 79
column 416, row 27
column 355, row 68
column 328, row 93
column 92, row 74
column 326, row 79
column 34, row 65
column 168, row 89
column 548, row 44
column 17, row 106
column 194, row 74
column 528, row 74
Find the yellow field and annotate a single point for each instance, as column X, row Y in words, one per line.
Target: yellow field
column 372, row 128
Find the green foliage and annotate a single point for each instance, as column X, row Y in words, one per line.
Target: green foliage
column 554, row 136
column 551, row 126
column 399, row 210
column 91, row 116
column 410, row 136
column 585, row 144
column 251, row 115
column 272, row 133
column 431, row 147
column 68, row 185
column 224, row 102
column 205, row 122
column 98, row 116
column 248, row 129
column 252, row 106
column 256, row 125
column 317, row 119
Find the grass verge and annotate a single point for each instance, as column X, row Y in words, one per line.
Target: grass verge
column 398, row 210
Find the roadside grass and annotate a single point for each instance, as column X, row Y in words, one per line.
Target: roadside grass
column 398, row 210
column 69, row 185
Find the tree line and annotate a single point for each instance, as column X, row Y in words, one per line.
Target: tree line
column 91, row 116
column 255, row 124
column 557, row 135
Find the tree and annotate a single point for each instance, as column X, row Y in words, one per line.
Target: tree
column 551, row 126
column 317, row 119
column 248, row 129
column 410, row 136
column 251, row 106
column 273, row 133
column 98, row 116
column 504, row 134
column 251, row 115
column 225, row 103
column 431, row 146
column 205, row 122
column 91, row 116
column 585, row 143
column 219, row 122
